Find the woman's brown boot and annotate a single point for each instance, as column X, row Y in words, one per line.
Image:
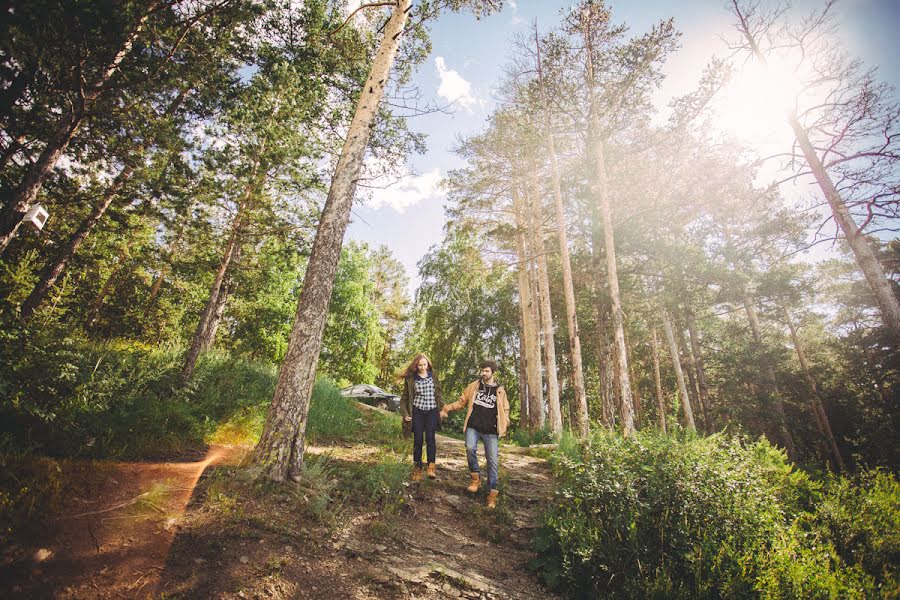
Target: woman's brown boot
column 476, row 482
column 417, row 474
column 430, row 471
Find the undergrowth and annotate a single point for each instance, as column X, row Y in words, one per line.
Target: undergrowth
column 653, row 516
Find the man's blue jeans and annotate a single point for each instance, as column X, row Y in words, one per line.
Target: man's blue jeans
column 491, row 451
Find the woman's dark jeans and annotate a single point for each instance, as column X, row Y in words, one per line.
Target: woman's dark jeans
column 424, row 424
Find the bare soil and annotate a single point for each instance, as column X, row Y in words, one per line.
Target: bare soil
column 206, row 529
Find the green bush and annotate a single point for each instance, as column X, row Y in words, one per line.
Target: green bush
column 710, row 517
column 66, row 396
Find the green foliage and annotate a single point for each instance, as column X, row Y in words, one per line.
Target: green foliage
column 711, row 517
column 66, row 396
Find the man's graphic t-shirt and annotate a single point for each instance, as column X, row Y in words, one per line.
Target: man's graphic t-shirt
column 484, row 410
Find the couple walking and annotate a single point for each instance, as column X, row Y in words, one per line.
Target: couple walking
column 487, row 416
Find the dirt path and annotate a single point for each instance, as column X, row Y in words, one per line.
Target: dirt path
column 138, row 530
column 116, row 532
column 450, row 544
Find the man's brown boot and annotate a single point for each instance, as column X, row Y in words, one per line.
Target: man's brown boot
column 492, row 499
column 476, row 483
column 430, row 471
column 417, row 474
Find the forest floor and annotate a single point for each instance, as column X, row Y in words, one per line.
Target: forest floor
column 209, row 529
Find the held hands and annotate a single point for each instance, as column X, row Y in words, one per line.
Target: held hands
column 443, row 413
column 407, row 419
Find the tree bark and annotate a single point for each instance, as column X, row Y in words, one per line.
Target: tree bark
column 635, row 391
column 281, row 447
column 660, row 399
column 700, row 366
column 815, row 400
column 600, row 190
column 862, row 251
column 531, row 342
column 537, row 412
column 580, row 413
column 771, row 387
column 522, row 373
column 164, row 271
column 688, row 355
column 97, row 304
column 54, row 269
column 554, row 414
column 23, row 197
column 202, row 337
column 679, row 374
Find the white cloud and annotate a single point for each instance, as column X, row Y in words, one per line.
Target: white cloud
column 453, row 87
column 408, row 191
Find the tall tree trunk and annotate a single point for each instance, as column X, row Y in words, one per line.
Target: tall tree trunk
column 660, row 399
column 690, row 364
column 815, row 399
column 54, row 269
column 22, row 198
column 164, row 271
column 554, row 414
column 771, row 386
column 580, row 413
column 536, row 412
column 606, row 369
column 679, row 374
column 202, row 337
column 862, row 251
column 522, row 373
column 209, row 336
column 635, row 391
column 280, row 449
column 600, row 191
column 97, row 304
column 527, row 308
column 700, row 366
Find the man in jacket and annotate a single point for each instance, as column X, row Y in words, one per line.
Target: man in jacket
column 487, row 416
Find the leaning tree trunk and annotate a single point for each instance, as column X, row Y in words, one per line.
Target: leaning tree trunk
column 280, row 449
column 54, row 269
column 97, row 304
column 22, row 198
column 164, row 271
column 660, row 399
column 818, row 410
column 865, row 256
column 862, row 251
column 679, row 374
column 202, row 338
column 580, row 396
column 554, row 414
column 771, row 386
column 531, row 342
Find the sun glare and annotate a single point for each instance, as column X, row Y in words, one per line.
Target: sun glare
column 754, row 104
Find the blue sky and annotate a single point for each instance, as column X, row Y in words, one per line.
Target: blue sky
column 466, row 63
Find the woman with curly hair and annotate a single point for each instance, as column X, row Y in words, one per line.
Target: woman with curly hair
column 421, row 406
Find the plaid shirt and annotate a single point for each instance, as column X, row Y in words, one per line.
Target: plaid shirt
column 424, row 399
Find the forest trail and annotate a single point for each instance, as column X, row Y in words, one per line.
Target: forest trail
column 450, row 546
column 115, row 530
column 150, row 530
